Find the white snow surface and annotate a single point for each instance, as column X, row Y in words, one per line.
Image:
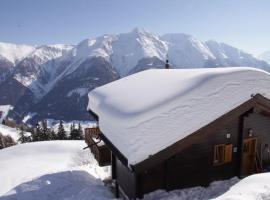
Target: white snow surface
column 255, row 187
column 144, row 113
column 13, row 52
column 61, row 170
column 12, row 132
column 5, row 110
column 43, row 167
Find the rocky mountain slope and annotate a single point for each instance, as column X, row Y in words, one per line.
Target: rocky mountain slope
column 52, row 81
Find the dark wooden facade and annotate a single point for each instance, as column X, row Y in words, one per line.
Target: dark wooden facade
column 100, row 151
column 192, row 161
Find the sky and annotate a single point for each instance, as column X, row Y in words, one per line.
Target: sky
column 244, row 24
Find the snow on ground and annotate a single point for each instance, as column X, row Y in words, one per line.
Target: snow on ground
column 132, row 110
column 196, row 193
column 61, row 170
column 4, row 109
column 255, row 187
column 13, row 132
column 27, row 162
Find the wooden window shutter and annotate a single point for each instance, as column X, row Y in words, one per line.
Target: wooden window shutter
column 228, row 153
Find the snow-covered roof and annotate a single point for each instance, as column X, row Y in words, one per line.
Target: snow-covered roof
column 146, row 112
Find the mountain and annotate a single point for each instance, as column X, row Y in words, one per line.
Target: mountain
column 265, row 56
column 52, row 81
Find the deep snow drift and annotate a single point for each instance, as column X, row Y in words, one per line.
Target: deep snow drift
column 255, row 187
column 144, row 113
column 25, row 162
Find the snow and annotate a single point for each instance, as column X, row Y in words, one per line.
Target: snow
column 13, row 132
column 44, row 167
column 5, row 110
column 13, row 52
column 61, row 170
column 185, row 50
column 28, row 117
column 79, row 91
column 54, row 124
column 196, row 193
column 265, row 56
column 144, row 113
column 255, row 187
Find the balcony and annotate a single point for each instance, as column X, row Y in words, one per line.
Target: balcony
column 98, row 148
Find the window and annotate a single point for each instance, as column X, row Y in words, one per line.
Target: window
column 222, row 154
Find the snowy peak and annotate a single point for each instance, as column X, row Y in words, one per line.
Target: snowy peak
column 187, row 51
column 100, row 46
column 13, row 52
column 47, row 52
column 141, row 44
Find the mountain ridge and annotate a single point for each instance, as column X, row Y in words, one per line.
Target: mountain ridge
column 35, row 79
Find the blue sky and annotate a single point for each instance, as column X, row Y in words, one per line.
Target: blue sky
column 242, row 23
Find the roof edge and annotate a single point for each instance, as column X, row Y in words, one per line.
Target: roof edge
column 195, row 136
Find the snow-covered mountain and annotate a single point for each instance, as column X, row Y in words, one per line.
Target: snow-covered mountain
column 265, row 56
column 53, row 80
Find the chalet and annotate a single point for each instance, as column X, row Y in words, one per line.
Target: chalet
column 177, row 128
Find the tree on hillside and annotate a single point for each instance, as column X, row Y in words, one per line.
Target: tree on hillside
column 75, row 133
column 46, row 133
column 61, row 133
column 23, row 138
column 6, row 141
column 80, row 131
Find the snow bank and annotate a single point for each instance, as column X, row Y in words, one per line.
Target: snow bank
column 24, row 162
column 255, row 187
column 196, row 193
column 66, row 185
column 146, row 112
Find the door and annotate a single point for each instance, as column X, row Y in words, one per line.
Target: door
column 249, row 156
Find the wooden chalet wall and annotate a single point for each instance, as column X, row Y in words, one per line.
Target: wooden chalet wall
column 194, row 165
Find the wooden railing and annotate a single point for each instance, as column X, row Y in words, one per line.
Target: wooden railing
column 100, row 151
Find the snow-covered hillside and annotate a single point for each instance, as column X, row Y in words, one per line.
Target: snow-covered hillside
column 14, row 53
column 4, row 110
column 12, row 132
column 48, row 164
column 265, row 56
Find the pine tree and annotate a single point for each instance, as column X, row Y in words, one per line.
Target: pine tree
column 53, row 135
column 80, row 132
column 61, row 134
column 76, row 133
column 22, row 137
column 45, row 131
column 36, row 133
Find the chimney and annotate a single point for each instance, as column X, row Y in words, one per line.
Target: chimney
column 167, row 65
